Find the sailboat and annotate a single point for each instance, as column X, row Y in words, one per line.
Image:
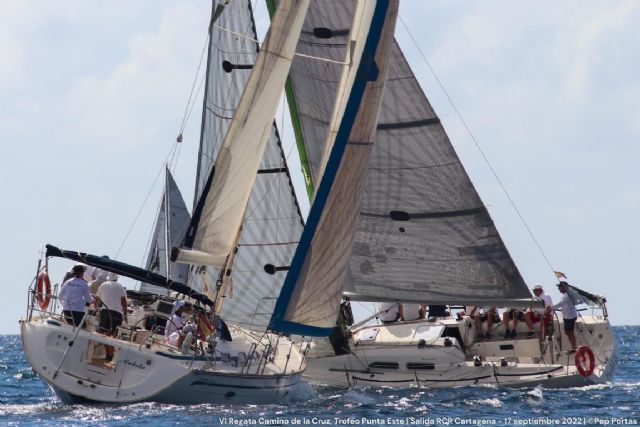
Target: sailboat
column 245, row 213
column 422, row 235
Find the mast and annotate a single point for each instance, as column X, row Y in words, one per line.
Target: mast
column 167, row 228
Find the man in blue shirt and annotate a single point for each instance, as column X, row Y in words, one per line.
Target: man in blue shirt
column 74, row 296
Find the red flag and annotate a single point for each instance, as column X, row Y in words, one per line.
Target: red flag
column 204, row 327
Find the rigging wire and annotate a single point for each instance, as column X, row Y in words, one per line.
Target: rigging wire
column 477, row 144
column 192, row 97
column 171, row 160
column 135, row 219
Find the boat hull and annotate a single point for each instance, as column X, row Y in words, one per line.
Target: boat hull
column 141, row 374
column 395, row 356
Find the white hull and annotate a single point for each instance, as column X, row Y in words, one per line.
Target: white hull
column 392, row 355
column 158, row 372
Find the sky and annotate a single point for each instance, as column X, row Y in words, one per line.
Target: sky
column 93, row 94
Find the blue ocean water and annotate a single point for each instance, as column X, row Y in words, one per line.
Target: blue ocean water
column 25, row 400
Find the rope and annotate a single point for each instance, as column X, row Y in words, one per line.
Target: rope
column 477, row 144
column 192, row 98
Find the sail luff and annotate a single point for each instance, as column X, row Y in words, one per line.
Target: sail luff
column 308, row 303
column 170, row 227
column 167, row 228
column 296, row 123
column 239, row 157
column 200, row 168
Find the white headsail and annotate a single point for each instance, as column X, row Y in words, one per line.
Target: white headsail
column 240, row 155
column 272, row 223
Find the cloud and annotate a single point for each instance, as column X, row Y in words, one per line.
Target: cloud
column 579, row 41
column 20, row 21
column 148, row 90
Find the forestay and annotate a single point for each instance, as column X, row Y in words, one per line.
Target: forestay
column 309, row 301
column 423, row 233
column 170, row 227
column 273, row 222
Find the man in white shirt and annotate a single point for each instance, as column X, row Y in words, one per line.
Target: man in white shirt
column 74, row 296
column 569, row 314
column 112, row 297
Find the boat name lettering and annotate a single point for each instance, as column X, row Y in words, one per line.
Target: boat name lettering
column 133, row 363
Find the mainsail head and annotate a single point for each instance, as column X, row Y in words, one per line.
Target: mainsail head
column 170, row 227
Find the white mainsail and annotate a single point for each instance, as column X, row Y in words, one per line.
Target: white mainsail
column 239, row 157
column 310, row 297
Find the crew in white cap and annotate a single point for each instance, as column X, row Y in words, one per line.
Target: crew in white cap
column 538, row 314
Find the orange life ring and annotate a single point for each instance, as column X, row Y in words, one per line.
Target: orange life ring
column 44, row 290
column 585, row 367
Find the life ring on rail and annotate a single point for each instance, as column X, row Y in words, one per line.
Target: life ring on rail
column 44, row 290
column 585, row 361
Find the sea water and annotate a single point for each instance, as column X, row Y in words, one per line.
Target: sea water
column 25, row 400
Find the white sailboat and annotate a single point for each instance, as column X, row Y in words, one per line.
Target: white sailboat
column 245, row 365
column 421, row 235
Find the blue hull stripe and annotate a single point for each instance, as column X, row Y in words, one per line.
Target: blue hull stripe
column 367, row 70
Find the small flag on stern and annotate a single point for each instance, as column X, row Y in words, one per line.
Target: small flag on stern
column 204, row 326
column 560, row 275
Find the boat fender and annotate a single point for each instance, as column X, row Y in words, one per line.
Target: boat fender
column 44, row 290
column 186, row 344
column 585, row 360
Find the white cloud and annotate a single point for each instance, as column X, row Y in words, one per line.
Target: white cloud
column 153, row 82
column 580, row 39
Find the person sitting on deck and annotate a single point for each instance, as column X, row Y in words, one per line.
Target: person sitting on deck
column 513, row 315
column 175, row 324
column 489, row 315
column 392, row 312
column 538, row 314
